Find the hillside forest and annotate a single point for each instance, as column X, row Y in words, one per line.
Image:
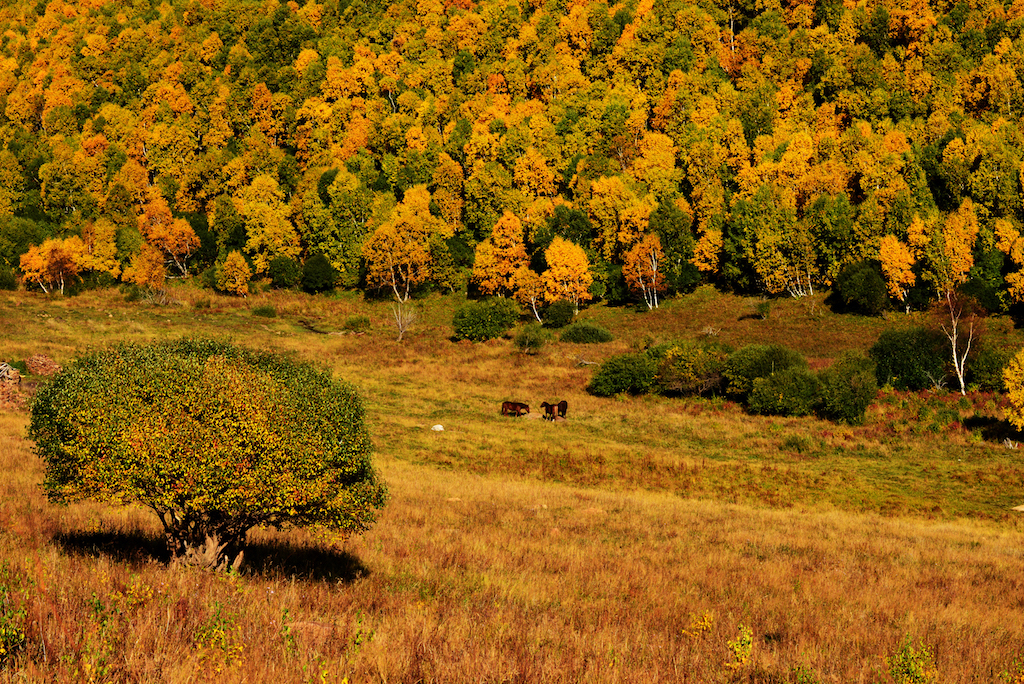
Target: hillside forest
column 545, row 149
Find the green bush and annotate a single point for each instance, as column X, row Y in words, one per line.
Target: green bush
column 530, row 338
column 284, row 272
column 559, row 314
column 910, row 358
column 585, row 333
column 757, row 361
column 8, row 281
column 847, row 388
column 630, row 373
column 985, row 371
column 318, row 275
column 690, row 368
column 792, row 392
column 266, row 311
column 485, row 320
column 213, row 438
column 861, row 288
column 357, row 323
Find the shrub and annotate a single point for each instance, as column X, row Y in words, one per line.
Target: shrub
column 910, row 359
column 8, row 281
column 791, row 392
column 986, row 370
column 530, row 338
column 630, row 373
column 861, row 288
column 266, row 311
column 357, row 323
column 318, row 275
column 585, row 333
column 690, row 368
column 284, row 272
column 485, row 320
column 559, row 314
column 213, row 438
column 757, row 361
column 847, row 388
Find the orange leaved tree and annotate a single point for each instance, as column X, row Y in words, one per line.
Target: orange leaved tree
column 54, row 263
column 642, row 269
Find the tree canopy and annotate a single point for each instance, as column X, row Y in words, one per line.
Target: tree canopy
column 768, row 147
column 214, row 439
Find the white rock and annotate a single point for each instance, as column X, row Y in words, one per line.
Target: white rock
column 438, row 428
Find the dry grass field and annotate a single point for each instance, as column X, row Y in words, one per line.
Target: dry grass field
column 641, row 540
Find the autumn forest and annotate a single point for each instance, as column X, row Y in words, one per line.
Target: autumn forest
column 548, row 150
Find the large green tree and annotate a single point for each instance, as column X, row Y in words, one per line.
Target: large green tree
column 213, row 438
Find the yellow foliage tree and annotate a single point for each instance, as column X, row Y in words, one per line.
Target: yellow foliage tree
column 1009, row 242
column 233, row 275
column 398, row 253
column 897, row 261
column 100, row 239
column 1013, row 378
column 500, row 256
column 568, row 276
column 269, row 231
column 529, row 289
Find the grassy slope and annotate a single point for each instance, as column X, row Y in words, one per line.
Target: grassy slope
column 517, row 550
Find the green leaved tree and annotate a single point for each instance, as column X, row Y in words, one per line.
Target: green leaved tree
column 214, row 439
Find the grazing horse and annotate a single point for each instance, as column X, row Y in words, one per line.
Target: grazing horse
column 549, row 410
column 513, row 408
column 563, row 406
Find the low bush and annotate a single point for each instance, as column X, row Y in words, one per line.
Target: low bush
column 485, row 320
column 284, row 272
column 754, row 361
column 861, row 288
column 559, row 314
column 585, row 333
column 8, row 281
column 690, row 368
column 847, row 388
column 318, row 275
column 356, row 323
column 266, row 311
column 792, row 392
column 530, row 338
column 626, row 373
column 910, row 358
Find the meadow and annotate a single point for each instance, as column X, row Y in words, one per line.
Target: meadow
column 643, row 539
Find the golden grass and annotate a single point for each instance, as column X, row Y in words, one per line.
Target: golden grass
column 516, row 550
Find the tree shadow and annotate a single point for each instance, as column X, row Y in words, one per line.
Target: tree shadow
column 993, row 429
column 265, row 559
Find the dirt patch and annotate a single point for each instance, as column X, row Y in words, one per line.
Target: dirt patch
column 11, row 397
column 42, row 365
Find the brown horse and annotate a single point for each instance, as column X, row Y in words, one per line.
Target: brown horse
column 514, row 408
column 549, row 410
column 563, row 406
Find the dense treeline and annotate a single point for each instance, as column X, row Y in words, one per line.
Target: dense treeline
column 763, row 147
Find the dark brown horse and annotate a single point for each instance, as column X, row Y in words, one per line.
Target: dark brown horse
column 563, row 406
column 514, row 408
column 549, row 410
